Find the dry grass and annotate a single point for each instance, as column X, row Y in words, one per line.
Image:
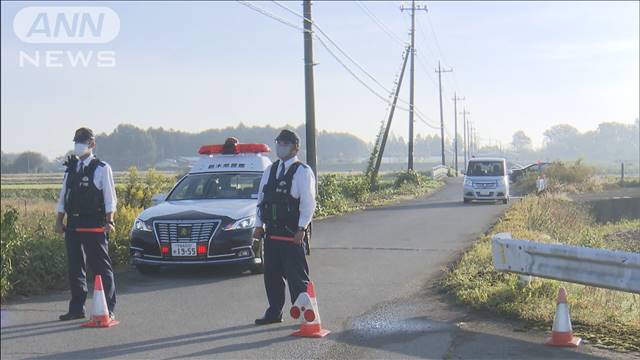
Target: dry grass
column 605, row 317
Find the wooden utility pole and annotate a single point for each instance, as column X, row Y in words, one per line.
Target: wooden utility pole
column 439, row 70
column 465, row 135
column 310, row 112
column 413, row 9
column 455, row 130
column 383, row 141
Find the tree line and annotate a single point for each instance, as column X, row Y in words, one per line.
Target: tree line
column 128, row 145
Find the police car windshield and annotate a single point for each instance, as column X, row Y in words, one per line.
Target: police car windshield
column 217, row 186
column 485, row 168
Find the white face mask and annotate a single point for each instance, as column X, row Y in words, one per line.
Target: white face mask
column 282, row 151
column 81, row 149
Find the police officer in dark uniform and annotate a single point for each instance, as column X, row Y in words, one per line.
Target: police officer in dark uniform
column 286, row 204
column 88, row 198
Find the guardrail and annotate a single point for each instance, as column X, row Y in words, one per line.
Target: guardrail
column 439, row 171
column 617, row 270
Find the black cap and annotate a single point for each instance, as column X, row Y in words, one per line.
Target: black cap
column 288, row 136
column 229, row 146
column 83, row 134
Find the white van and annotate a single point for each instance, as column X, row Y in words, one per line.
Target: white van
column 486, row 179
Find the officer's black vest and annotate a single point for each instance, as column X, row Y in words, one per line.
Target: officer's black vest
column 280, row 211
column 82, row 198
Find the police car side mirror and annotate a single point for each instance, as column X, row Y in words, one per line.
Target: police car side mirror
column 158, row 198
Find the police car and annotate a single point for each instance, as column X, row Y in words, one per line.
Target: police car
column 209, row 215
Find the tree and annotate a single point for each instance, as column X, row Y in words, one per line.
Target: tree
column 30, row 162
column 562, row 142
column 520, row 141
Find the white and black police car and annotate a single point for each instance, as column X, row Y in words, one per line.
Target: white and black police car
column 209, row 215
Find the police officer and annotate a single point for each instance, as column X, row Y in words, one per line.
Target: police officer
column 88, row 197
column 286, row 204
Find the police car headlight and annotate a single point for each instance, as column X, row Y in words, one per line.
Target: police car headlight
column 244, row 223
column 141, row 226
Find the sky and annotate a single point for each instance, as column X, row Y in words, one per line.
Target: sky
column 194, row 66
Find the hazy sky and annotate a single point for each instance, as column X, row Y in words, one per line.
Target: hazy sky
column 193, row 66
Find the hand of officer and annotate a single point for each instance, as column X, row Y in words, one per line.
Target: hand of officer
column 59, row 227
column 258, row 233
column 109, row 228
column 298, row 238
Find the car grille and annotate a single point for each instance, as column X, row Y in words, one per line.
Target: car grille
column 199, row 231
column 486, row 185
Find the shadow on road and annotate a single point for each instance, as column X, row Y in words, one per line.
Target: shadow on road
column 140, row 347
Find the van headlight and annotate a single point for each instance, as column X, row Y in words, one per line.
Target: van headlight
column 501, row 182
column 244, row 223
column 141, row 226
column 468, row 182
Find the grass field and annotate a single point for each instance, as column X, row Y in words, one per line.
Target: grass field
column 606, row 318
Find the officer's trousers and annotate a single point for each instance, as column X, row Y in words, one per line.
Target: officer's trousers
column 91, row 248
column 283, row 260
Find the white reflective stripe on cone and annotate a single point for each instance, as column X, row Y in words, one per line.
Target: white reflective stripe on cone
column 561, row 321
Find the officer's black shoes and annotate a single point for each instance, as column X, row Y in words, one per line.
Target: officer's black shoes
column 71, row 316
column 266, row 320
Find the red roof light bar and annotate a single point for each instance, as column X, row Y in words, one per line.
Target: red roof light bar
column 239, row 149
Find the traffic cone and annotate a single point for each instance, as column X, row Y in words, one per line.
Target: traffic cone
column 561, row 333
column 307, row 305
column 99, row 312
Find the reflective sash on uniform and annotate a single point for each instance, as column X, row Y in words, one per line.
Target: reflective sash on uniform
column 281, row 238
column 90, row 230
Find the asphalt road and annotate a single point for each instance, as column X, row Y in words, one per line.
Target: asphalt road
column 374, row 272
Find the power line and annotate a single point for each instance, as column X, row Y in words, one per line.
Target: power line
column 425, row 119
column 380, row 24
column 336, row 46
column 271, row 15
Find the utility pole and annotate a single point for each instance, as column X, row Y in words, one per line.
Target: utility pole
column 471, row 152
column 440, row 71
column 310, row 112
column 411, row 77
column 464, row 135
column 383, row 142
column 455, row 130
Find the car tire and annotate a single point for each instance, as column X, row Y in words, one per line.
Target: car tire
column 147, row 269
column 258, row 268
column 466, row 201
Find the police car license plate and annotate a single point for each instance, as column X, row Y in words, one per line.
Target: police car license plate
column 183, row 249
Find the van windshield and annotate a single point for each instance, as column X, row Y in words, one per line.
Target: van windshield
column 485, row 168
column 217, row 186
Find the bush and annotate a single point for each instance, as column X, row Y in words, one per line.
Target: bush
column 33, row 256
column 409, row 177
column 355, row 187
column 330, row 198
column 137, row 191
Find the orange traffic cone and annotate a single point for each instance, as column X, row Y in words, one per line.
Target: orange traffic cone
column 99, row 313
column 561, row 333
column 307, row 305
